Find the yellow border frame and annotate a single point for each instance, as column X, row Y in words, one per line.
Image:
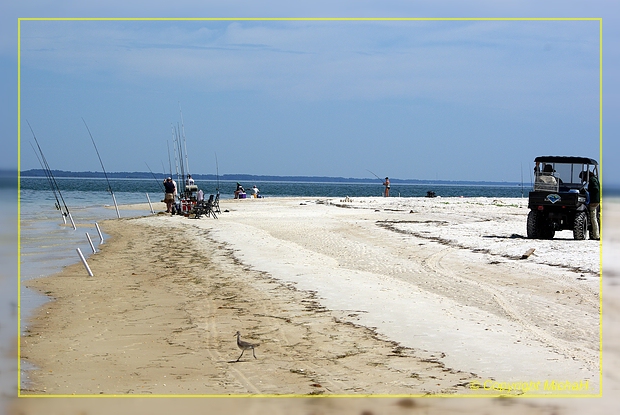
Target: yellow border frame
column 373, row 19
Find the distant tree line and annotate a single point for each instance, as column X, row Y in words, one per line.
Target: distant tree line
column 251, row 177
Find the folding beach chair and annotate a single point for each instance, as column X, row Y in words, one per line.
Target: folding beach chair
column 216, row 203
column 203, row 208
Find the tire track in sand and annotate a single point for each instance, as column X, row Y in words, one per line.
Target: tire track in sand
column 435, row 264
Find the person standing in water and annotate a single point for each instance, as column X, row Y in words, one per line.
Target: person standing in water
column 386, row 183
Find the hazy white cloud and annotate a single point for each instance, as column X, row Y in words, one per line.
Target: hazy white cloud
column 453, row 61
column 336, row 85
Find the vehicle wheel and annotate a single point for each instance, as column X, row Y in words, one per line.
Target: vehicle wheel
column 547, row 231
column 580, row 228
column 538, row 227
column 532, row 224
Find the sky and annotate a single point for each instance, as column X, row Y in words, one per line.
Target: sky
column 447, row 100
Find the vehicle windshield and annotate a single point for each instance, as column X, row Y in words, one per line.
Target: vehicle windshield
column 560, row 177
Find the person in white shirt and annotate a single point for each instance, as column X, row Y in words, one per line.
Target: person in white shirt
column 256, row 191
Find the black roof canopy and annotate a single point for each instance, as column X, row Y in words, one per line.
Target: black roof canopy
column 565, row 159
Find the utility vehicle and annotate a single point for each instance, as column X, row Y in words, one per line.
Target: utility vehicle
column 559, row 199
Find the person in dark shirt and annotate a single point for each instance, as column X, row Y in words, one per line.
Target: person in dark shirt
column 239, row 190
column 171, row 189
column 594, row 191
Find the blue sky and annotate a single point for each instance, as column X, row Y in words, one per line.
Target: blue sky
column 471, row 100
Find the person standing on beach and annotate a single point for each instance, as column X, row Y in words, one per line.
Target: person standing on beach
column 171, row 189
column 594, row 191
column 386, row 183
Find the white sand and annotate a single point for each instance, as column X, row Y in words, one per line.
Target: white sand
column 439, row 274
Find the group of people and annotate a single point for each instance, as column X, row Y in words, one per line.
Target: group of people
column 592, row 187
column 170, row 189
column 241, row 191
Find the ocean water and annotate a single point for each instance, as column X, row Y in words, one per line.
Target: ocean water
column 133, row 190
column 47, row 243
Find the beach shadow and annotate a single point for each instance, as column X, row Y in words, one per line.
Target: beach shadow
column 517, row 236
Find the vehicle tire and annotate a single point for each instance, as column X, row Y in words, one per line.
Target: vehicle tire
column 580, row 228
column 532, row 224
column 538, row 227
column 547, row 231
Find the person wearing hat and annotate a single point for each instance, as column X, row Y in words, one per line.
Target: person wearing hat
column 594, row 193
column 171, row 189
column 239, row 190
column 546, row 177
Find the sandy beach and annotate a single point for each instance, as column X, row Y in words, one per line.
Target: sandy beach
column 399, row 297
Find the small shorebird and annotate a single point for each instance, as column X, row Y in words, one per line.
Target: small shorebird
column 244, row 346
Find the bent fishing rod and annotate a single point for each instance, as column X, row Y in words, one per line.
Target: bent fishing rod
column 104, row 172
column 380, row 179
column 374, row 175
column 52, row 180
column 49, row 180
column 154, row 177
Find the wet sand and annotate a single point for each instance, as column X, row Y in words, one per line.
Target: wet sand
column 363, row 297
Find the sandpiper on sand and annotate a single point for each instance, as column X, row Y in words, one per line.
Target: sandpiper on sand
column 243, row 345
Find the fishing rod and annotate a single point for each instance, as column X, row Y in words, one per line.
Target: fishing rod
column 52, row 181
column 154, row 177
column 163, row 169
column 379, row 178
column 184, row 140
column 104, row 172
column 178, row 158
column 49, row 180
column 522, row 180
column 175, row 149
column 217, row 172
column 375, row 175
column 169, row 161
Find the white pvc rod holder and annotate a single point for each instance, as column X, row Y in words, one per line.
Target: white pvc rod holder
column 71, row 219
column 116, row 206
column 90, row 273
column 90, row 242
column 99, row 232
column 150, row 205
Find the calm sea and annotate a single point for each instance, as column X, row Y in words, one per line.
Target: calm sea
column 47, row 244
